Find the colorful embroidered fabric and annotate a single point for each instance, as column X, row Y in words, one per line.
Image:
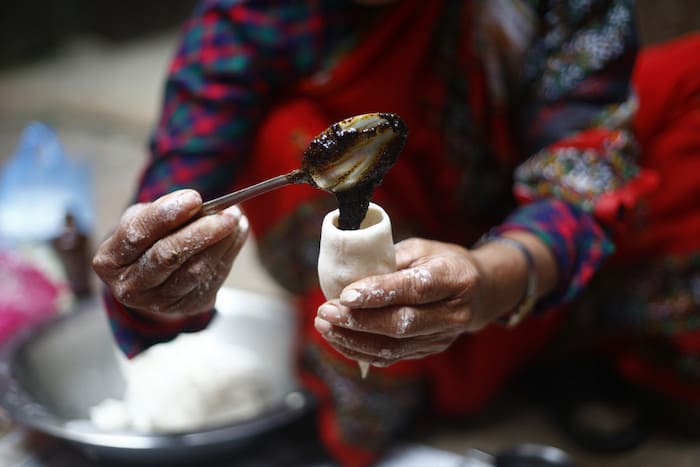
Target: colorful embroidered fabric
column 652, row 286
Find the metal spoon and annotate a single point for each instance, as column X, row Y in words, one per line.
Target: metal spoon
column 353, row 153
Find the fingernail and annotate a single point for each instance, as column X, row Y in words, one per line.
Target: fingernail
column 173, row 204
column 187, row 196
column 329, row 312
column 351, row 297
column 243, row 224
column 234, row 211
column 190, row 199
column 322, row 326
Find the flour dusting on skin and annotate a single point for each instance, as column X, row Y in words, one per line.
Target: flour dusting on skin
column 407, row 317
column 351, row 296
column 134, row 235
column 356, row 297
column 351, row 322
column 171, row 207
column 390, row 296
column 423, row 275
column 419, row 278
column 332, row 335
column 378, row 294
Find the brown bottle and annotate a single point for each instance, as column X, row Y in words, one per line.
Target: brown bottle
column 72, row 249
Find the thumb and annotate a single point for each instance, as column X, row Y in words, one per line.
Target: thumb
column 411, row 286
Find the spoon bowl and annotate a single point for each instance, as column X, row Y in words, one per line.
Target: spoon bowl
column 353, row 153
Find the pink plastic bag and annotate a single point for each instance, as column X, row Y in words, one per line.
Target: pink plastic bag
column 27, row 296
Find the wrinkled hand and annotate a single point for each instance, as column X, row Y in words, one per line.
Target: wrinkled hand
column 158, row 261
column 435, row 295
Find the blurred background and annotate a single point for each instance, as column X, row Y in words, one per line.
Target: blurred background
column 93, row 70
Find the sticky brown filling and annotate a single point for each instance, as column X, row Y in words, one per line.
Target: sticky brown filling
column 329, row 147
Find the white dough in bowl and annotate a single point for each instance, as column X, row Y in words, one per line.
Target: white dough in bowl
column 192, row 382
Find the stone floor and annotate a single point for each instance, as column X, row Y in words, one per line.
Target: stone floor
column 103, row 99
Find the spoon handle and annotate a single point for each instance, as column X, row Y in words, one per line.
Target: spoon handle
column 222, row 202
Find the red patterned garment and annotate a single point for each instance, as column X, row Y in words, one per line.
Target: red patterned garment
column 649, row 293
column 500, row 98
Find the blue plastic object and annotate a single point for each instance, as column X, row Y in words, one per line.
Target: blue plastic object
column 40, row 185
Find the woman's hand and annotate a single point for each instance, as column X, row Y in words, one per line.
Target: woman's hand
column 158, row 260
column 439, row 291
column 434, row 296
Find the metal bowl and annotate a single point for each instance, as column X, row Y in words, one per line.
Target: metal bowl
column 53, row 374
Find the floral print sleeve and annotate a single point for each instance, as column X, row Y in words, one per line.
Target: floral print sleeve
column 580, row 180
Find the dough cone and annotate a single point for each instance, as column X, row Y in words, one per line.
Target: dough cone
column 349, row 255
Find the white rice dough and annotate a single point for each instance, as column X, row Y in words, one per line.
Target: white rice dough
column 187, row 384
column 349, row 255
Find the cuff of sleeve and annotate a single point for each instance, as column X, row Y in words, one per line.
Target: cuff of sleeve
column 578, row 243
column 135, row 332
